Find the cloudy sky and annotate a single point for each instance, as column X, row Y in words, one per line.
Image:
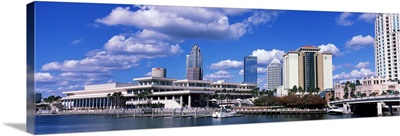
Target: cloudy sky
column 81, row 44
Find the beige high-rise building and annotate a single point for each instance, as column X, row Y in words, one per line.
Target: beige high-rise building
column 308, row 68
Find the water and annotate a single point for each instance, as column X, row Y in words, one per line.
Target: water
column 89, row 123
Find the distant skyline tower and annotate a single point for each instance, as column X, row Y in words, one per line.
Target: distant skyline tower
column 274, row 74
column 386, row 46
column 250, row 70
column 194, row 64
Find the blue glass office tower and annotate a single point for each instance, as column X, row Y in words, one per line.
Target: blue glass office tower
column 250, row 70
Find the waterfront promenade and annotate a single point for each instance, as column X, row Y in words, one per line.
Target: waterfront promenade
column 155, row 112
column 185, row 112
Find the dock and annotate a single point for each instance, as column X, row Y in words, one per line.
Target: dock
column 267, row 111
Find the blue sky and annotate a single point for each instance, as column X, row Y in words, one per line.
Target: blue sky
column 80, row 44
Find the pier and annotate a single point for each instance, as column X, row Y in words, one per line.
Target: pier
column 139, row 113
column 268, row 111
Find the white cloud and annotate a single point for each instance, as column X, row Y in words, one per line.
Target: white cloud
column 44, row 90
column 70, row 88
column 147, row 74
column 241, row 72
column 330, row 48
column 359, row 41
column 51, row 66
column 265, row 57
column 44, row 77
column 76, row 42
column 219, row 75
column 368, row 17
column 354, row 74
column 343, row 19
column 335, row 67
column 122, row 44
column 261, row 70
column 186, row 22
column 227, row 64
column 362, row 65
column 260, row 17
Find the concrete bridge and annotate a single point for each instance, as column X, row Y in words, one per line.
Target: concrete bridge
column 370, row 105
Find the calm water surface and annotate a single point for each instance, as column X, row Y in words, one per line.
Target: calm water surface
column 89, row 123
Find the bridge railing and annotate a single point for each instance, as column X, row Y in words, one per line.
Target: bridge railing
column 366, row 98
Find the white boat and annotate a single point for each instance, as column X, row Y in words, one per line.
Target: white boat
column 224, row 111
column 335, row 110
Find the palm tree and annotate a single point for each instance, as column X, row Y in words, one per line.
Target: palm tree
column 311, row 90
column 346, row 92
column 294, row 89
column 317, row 90
column 119, row 97
column 353, row 88
column 109, row 96
column 116, row 96
column 358, row 83
column 144, row 94
column 204, row 97
column 301, row 90
column 254, row 92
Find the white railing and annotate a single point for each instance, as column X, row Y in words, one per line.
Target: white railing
column 366, row 98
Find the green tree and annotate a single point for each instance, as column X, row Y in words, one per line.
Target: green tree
column 358, row 83
column 275, row 90
column 254, row 92
column 353, row 88
column 346, row 92
column 317, row 90
column 301, row 90
column 311, row 90
column 52, row 99
column 117, row 97
column 294, row 90
column 373, row 94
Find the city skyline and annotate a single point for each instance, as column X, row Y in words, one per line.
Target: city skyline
column 101, row 48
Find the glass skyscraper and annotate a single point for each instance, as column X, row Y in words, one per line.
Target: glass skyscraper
column 250, row 70
column 194, row 64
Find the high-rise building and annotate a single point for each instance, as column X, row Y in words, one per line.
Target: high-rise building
column 194, row 64
column 250, row 70
column 274, row 74
column 386, row 45
column 307, row 68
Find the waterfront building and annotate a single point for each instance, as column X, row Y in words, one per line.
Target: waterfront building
column 387, row 45
column 274, row 74
column 250, row 70
column 373, row 85
column 307, row 68
column 280, row 92
column 194, row 64
column 171, row 92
